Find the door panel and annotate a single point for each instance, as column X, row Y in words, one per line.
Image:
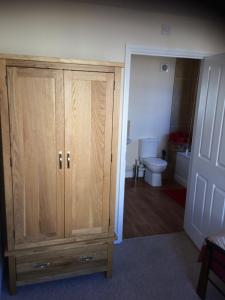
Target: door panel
column 221, row 152
column 88, row 135
column 199, row 201
column 217, row 210
column 37, row 135
column 204, row 213
column 213, row 82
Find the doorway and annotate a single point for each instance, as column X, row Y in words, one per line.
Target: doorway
column 204, row 211
column 162, row 100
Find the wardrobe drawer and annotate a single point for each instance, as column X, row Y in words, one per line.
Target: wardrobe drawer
column 62, row 263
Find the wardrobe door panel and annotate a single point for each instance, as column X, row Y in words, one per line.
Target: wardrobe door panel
column 36, row 108
column 88, row 137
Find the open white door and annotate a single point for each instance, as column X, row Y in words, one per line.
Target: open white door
column 205, row 206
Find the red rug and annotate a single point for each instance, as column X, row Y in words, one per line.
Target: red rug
column 178, row 195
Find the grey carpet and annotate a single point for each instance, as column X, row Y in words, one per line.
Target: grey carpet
column 162, row 267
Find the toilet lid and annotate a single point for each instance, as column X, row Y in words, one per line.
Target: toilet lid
column 154, row 161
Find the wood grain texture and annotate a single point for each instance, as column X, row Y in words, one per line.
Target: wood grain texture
column 56, row 247
column 37, row 123
column 88, row 134
column 148, row 211
column 40, row 96
column 5, row 134
column 110, row 260
column 12, row 275
column 61, row 274
column 60, row 60
column 59, row 66
column 115, row 144
column 61, row 261
column 62, row 241
column 74, row 261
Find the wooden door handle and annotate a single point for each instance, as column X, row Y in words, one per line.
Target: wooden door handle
column 68, row 159
column 60, row 159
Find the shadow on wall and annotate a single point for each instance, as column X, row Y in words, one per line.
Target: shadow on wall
column 183, row 110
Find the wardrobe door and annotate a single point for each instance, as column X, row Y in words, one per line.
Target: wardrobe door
column 36, row 109
column 88, row 136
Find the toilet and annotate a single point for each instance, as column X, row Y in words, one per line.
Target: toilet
column 148, row 148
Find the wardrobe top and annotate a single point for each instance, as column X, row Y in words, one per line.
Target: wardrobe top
column 61, row 60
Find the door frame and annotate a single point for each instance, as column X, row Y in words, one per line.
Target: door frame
column 129, row 51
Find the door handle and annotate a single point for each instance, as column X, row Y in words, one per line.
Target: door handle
column 41, row 266
column 68, row 159
column 60, row 159
column 86, row 258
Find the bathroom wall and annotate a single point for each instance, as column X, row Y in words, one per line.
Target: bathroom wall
column 184, row 94
column 150, row 102
column 183, row 105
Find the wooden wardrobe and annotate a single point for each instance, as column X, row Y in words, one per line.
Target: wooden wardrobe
column 59, row 131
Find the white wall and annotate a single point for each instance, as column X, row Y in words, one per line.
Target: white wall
column 76, row 30
column 151, row 92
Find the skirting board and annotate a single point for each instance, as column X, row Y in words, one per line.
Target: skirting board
column 129, row 174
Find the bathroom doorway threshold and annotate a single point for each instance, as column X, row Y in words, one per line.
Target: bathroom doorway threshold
column 149, row 210
column 137, row 50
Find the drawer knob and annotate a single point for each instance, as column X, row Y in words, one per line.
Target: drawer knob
column 41, row 266
column 86, row 258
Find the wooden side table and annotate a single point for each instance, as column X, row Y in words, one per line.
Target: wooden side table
column 213, row 259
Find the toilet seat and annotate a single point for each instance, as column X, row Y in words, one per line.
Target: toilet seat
column 154, row 162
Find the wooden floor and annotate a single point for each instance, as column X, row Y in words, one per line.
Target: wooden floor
column 148, row 211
